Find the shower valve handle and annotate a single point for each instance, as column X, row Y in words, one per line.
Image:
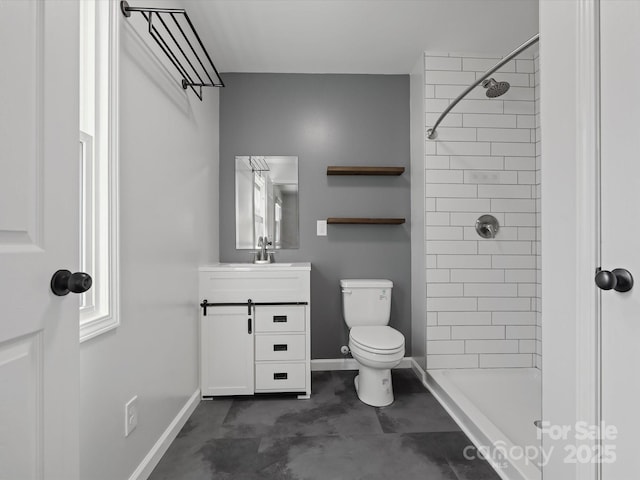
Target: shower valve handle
column 618, row 279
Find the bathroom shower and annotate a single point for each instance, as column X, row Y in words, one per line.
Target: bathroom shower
column 483, row 172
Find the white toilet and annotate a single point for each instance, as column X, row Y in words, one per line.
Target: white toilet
column 366, row 307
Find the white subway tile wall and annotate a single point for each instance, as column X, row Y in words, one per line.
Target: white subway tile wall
column 483, row 295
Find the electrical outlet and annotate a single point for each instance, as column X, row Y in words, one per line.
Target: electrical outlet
column 321, row 228
column 130, row 416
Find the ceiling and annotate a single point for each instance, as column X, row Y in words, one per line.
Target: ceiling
column 355, row 36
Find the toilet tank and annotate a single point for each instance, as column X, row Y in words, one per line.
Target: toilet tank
column 366, row 301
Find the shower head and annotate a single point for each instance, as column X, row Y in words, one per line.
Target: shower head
column 495, row 89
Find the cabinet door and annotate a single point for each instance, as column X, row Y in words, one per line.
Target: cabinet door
column 227, row 352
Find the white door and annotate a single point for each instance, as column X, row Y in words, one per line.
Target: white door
column 620, row 233
column 38, row 235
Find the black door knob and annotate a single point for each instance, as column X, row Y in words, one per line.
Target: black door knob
column 618, row 279
column 63, row 282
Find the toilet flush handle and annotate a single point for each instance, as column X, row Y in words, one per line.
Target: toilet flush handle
column 346, row 292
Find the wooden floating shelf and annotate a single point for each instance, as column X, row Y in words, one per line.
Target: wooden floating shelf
column 341, row 170
column 365, row 221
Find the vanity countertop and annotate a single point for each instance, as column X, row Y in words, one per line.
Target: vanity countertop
column 255, row 267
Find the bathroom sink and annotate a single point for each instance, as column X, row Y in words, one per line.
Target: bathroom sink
column 257, row 268
column 256, row 265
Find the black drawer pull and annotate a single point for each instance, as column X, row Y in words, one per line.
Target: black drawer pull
column 280, row 376
column 282, row 347
column 279, row 319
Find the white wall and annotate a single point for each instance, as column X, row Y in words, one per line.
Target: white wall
column 168, row 226
column 481, row 293
column 558, row 112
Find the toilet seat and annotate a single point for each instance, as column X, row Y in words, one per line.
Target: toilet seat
column 381, row 340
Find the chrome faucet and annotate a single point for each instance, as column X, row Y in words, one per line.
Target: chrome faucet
column 262, row 243
column 487, row 226
column 263, row 256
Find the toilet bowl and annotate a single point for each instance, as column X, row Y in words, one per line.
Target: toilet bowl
column 376, row 346
column 375, row 359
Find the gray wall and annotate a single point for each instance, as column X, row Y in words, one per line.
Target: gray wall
column 328, row 120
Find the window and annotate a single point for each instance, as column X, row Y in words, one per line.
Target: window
column 99, row 165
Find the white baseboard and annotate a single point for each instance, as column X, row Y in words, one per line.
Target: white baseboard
column 324, row 364
column 160, row 447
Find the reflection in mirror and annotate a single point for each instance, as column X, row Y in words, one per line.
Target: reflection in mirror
column 267, row 201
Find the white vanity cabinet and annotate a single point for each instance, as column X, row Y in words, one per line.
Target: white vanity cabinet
column 255, row 329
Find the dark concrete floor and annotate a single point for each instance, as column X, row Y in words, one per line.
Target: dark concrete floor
column 332, row 436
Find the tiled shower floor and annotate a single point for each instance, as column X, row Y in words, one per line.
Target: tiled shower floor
column 332, row 436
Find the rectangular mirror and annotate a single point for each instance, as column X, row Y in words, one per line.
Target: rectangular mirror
column 267, row 201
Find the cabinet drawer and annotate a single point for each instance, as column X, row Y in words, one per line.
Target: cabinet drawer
column 280, row 347
column 280, row 376
column 280, row 318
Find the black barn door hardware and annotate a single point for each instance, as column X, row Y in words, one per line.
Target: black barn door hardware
column 250, row 304
column 180, row 42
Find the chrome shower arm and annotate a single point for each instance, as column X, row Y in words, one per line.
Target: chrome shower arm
column 431, row 133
